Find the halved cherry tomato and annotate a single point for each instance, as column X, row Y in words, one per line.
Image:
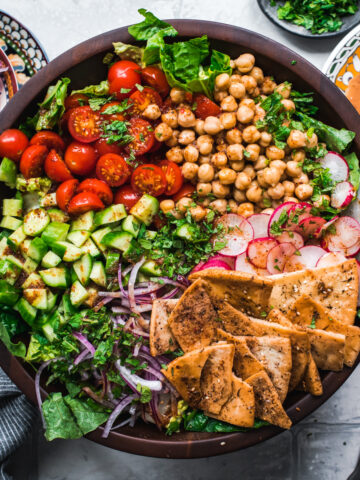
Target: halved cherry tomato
column 123, row 76
column 205, row 107
column 142, row 99
column 13, row 142
column 100, row 188
column 84, row 202
column 143, row 136
column 55, row 167
column 111, row 117
column 102, row 147
column 173, row 175
column 76, row 100
column 112, row 169
column 84, row 124
column 127, row 196
column 49, row 139
column 155, row 78
column 80, row 158
column 185, row 191
column 32, row 161
column 149, row 178
column 65, row 193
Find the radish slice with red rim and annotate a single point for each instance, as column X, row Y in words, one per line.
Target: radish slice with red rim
column 258, row 250
column 309, row 226
column 342, row 235
column 326, row 225
column 284, row 207
column 291, row 237
column 237, row 234
column 330, row 259
column 305, row 257
column 298, row 213
column 229, row 260
column 358, row 269
column 342, row 195
column 216, row 264
column 278, row 256
column 242, row 264
column 260, row 224
column 337, row 166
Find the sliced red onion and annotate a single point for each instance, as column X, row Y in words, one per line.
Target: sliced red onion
column 140, row 333
column 110, row 294
column 122, row 290
column 37, row 385
column 155, row 373
column 120, row 309
column 126, row 270
column 168, row 281
column 134, row 379
column 131, row 284
column 102, row 303
column 136, row 349
column 170, row 294
column 84, row 341
column 84, row 355
column 115, row 413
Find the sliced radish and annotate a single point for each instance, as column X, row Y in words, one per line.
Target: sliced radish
column 310, row 226
column 258, row 250
column 330, row 259
column 198, row 267
column 229, row 260
column 291, row 237
column 326, row 225
column 298, row 213
column 260, row 224
column 337, row 166
column 216, row 264
column 342, row 195
column 306, row 257
column 284, row 207
column 242, row 264
column 358, row 269
column 278, row 256
column 346, row 236
column 238, row 234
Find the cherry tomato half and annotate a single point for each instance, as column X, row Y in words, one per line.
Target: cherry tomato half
column 84, row 124
column 143, row 136
column 65, row 193
column 111, row 117
column 127, row 196
column 142, row 99
column 185, row 191
column 173, row 175
column 84, row 202
column 100, row 188
column 102, row 147
column 80, row 158
column 112, row 169
column 13, row 142
column 32, row 161
column 149, row 178
column 76, row 100
column 155, row 78
column 123, row 76
column 49, row 139
column 55, row 167
column 205, row 107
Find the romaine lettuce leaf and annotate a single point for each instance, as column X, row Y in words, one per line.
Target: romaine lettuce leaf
column 353, row 163
column 129, row 52
column 95, row 90
column 197, row 421
column 52, row 108
column 17, row 349
column 150, row 27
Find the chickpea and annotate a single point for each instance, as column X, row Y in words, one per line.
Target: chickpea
column 261, row 163
column 219, row 205
column 268, row 86
column 228, row 120
column 296, row 139
column 229, row 104
column 245, row 62
column 227, row 176
column 311, row 141
column 189, row 170
column 298, row 155
column 237, row 90
column 288, row 105
column 254, row 150
column 233, row 136
column 163, row 132
column 260, row 179
column 204, row 159
column 203, row 189
column 205, row 202
column 197, row 213
column 199, row 126
column 235, row 152
column 251, row 134
column 323, row 199
column 233, row 206
column 249, row 82
column 248, row 102
column 275, row 153
column 186, row 118
column 265, row 139
column 259, row 113
column 303, row 178
column 276, row 192
column 250, row 171
column 268, row 211
column 219, row 96
column 242, row 181
column 258, row 74
column 304, row 191
column 245, row 209
column 205, row 144
column 289, row 187
column 291, row 199
column 284, row 89
column 237, row 165
column 220, row 190
column 186, row 137
column 170, row 118
column 293, row 169
column 173, row 140
column 152, row 112
column 271, row 176
column 175, row 154
column 184, row 204
column 235, row 79
column 256, row 92
column 279, row 164
column 239, row 196
column 167, row 205
column 245, row 114
column 232, row 64
column 177, row 95
column 206, row 173
column 222, row 81
column 191, row 153
column 254, row 193
column 219, row 159
column 212, row 125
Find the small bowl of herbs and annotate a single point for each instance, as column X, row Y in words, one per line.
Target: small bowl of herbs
column 313, row 18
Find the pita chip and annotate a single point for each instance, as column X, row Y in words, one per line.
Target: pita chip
column 161, row 338
column 327, row 349
column 311, row 382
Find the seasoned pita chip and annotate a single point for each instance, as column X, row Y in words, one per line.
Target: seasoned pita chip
column 243, row 291
column 161, row 338
column 335, row 287
column 307, row 312
column 311, row 382
column 203, row 377
column 240, row 408
column 267, row 403
column 327, row 349
column 193, row 320
column 239, row 324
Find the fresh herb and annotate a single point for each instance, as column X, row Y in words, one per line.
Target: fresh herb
column 17, row 349
column 293, row 62
column 96, row 103
column 276, row 227
column 119, row 108
column 100, row 90
column 145, row 393
column 197, row 421
column 304, row 102
column 313, row 323
column 117, row 132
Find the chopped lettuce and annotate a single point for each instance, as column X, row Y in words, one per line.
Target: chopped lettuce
column 129, row 52
column 95, row 90
column 149, row 27
column 353, row 163
column 197, row 421
column 17, row 349
column 52, row 108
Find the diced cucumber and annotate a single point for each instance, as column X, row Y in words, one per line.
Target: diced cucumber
column 73, row 276
column 68, row 307
column 24, row 247
column 98, row 274
column 9, row 271
column 11, row 223
column 78, row 237
column 33, row 281
column 12, row 207
column 57, row 215
column 49, row 200
column 92, row 298
column 30, row 265
column 145, row 209
column 16, row 238
column 48, row 331
column 8, row 172
column 131, row 225
column 150, row 235
column 37, row 297
column 33, row 184
column 90, row 247
column 55, row 277
column 51, row 300
column 112, row 262
column 83, row 268
column 67, row 251
column 27, row 311
column 9, row 294
column 4, row 246
column 55, row 232
column 111, row 214
column 35, row 222
column 78, row 294
column 151, row 268
column 37, row 249
column 84, row 222
column 19, row 262
column 50, row 260
column 31, row 201
column 98, row 236
column 186, row 232
column 119, row 240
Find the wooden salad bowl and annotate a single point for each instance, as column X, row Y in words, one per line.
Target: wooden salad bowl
column 83, row 65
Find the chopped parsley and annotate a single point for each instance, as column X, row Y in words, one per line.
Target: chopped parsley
column 122, row 107
column 313, row 323
column 276, row 227
column 117, row 132
column 96, row 103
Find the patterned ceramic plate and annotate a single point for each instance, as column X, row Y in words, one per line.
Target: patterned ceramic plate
column 21, row 47
column 8, row 83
